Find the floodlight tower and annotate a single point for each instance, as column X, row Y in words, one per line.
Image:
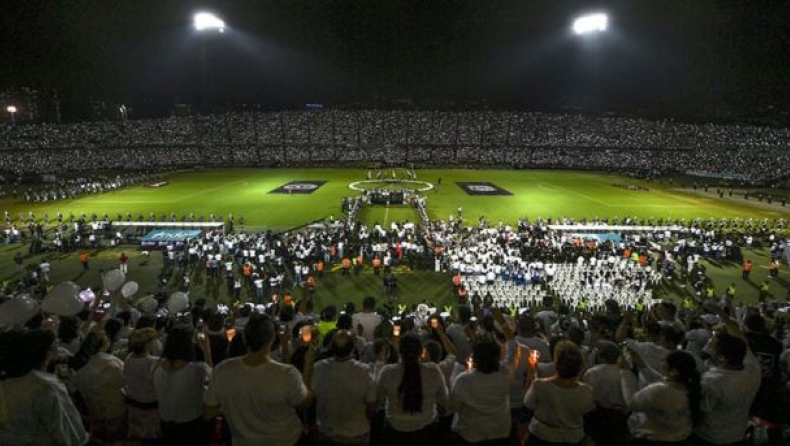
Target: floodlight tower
column 11, row 109
column 206, row 23
column 589, row 31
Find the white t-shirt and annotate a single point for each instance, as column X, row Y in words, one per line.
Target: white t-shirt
column 697, row 339
column 369, row 322
column 258, row 401
column 180, row 392
column 139, row 373
column 727, row 396
column 481, row 404
column 660, row 412
column 559, row 411
column 39, row 412
column 434, row 391
column 605, row 380
column 653, row 355
column 100, row 382
column 343, row 391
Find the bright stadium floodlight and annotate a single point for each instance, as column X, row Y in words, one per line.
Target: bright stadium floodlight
column 206, row 21
column 590, row 23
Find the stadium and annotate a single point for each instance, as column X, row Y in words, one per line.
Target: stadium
column 496, row 247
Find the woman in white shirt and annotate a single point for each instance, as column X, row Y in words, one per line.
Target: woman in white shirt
column 100, row 382
column 480, row 398
column 143, row 409
column 412, row 391
column 560, row 402
column 664, row 412
column 180, row 384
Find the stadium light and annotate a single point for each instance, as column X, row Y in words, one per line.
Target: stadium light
column 11, row 109
column 591, row 23
column 206, row 21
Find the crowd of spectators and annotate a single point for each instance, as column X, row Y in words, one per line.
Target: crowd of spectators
column 553, row 338
column 283, row 374
column 397, row 374
column 750, row 154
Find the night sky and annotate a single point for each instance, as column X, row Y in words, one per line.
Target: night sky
column 660, row 57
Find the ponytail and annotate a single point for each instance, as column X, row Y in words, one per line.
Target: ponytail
column 410, row 387
column 688, row 375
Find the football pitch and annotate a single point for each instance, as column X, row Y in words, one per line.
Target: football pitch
column 283, row 199
column 262, row 198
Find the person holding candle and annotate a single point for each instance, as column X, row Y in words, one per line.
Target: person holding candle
column 480, row 398
column 559, row 402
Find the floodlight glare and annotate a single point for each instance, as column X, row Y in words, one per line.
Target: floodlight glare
column 11, row 109
column 590, row 23
column 208, row 21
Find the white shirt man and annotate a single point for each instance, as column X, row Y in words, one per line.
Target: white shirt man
column 368, row 318
column 45, row 268
column 257, row 394
column 345, row 393
column 482, row 406
column 606, row 380
column 100, row 382
column 728, row 390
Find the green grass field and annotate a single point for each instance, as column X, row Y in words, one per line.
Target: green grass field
column 245, row 192
column 534, row 193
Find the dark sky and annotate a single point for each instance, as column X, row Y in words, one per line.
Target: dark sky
column 660, row 56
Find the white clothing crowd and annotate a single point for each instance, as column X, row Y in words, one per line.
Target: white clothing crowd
column 748, row 154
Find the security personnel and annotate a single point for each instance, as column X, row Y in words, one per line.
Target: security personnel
column 765, row 290
column 730, row 291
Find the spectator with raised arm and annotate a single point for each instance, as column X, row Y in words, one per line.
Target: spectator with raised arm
column 663, row 412
column 479, row 398
column 258, row 395
column 560, row 402
column 345, row 394
column 728, row 387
